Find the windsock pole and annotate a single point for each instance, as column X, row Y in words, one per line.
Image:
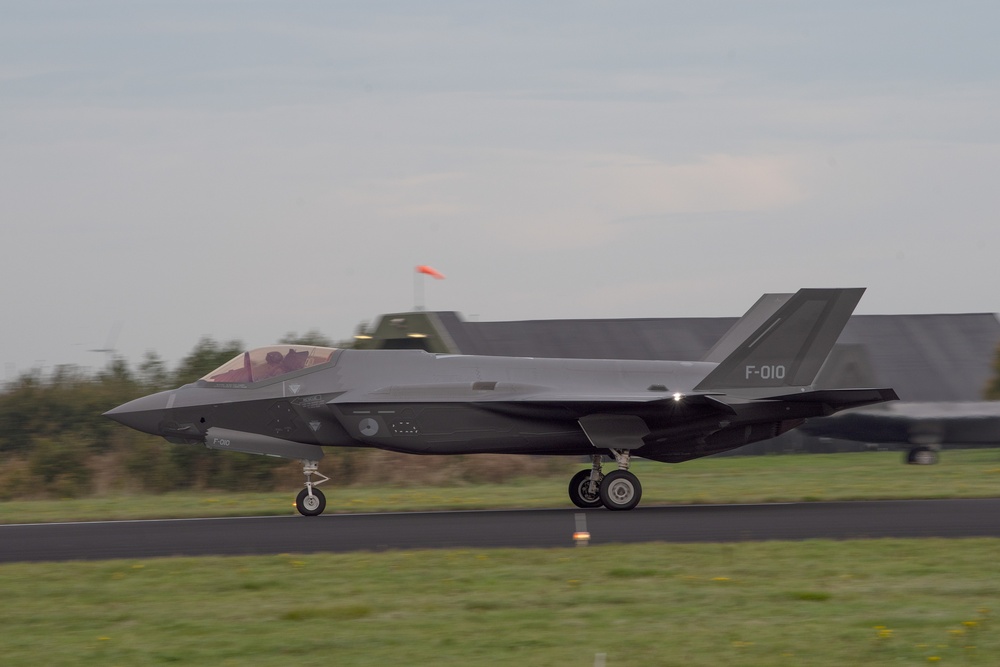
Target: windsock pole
column 418, row 283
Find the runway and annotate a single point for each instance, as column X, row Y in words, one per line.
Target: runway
column 492, row 529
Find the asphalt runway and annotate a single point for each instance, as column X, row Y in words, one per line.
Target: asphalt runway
column 489, row 529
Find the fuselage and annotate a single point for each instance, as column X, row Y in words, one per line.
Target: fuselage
column 412, row 401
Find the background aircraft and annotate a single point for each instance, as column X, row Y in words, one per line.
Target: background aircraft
column 919, row 428
column 291, row 401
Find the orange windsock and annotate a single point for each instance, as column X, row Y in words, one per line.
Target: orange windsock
column 431, row 271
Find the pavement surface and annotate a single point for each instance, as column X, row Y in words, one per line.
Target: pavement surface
column 491, row 529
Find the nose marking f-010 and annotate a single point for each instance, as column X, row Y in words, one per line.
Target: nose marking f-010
column 368, row 426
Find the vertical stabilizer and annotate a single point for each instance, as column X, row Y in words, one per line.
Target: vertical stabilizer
column 766, row 306
column 790, row 346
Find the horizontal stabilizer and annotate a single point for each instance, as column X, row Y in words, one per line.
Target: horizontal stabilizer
column 840, row 399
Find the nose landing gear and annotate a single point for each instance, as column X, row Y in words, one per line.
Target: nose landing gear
column 311, row 501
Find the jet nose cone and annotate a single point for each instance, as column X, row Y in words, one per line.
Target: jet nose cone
column 143, row 414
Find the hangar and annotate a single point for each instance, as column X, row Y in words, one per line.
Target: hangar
column 933, row 358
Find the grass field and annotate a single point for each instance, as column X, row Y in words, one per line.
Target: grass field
column 752, row 479
column 908, row 602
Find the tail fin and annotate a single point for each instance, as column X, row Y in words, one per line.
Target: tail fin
column 789, row 348
column 766, row 306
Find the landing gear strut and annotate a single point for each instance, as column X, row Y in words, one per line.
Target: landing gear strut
column 618, row 490
column 585, row 487
column 311, row 501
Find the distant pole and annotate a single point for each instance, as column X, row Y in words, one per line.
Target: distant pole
column 418, row 284
column 418, row 291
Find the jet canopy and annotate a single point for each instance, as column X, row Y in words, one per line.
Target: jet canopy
column 265, row 363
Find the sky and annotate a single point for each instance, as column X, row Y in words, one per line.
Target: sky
column 242, row 170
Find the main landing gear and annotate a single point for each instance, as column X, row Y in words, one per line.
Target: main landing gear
column 618, row 490
column 311, row 501
column 922, row 456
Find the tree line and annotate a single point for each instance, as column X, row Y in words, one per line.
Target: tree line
column 54, row 440
column 992, row 392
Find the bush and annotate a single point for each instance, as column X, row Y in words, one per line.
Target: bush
column 59, row 466
column 15, row 479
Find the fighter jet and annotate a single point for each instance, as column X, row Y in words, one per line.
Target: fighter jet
column 291, row 401
column 920, row 429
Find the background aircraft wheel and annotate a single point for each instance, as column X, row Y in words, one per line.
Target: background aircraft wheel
column 310, row 505
column 922, row 456
column 620, row 490
column 579, row 491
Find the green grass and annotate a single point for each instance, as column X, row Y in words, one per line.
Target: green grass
column 909, row 602
column 752, row 479
column 816, row 602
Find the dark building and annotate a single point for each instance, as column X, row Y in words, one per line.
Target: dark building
column 946, row 358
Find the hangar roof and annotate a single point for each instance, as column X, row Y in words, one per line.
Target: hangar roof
column 947, row 357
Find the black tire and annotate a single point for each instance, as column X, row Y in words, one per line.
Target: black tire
column 310, row 506
column 579, row 488
column 620, row 490
column 922, row 456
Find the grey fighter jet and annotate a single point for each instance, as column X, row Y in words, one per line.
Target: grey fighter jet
column 290, row 401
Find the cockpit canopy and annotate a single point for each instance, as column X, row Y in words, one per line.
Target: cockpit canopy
column 265, row 363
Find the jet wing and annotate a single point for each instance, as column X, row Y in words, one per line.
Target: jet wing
column 713, row 401
column 520, row 393
column 439, row 392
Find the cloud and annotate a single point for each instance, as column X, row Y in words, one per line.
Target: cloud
column 715, row 183
column 545, row 200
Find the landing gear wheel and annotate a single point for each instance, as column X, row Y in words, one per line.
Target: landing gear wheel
column 310, row 505
column 922, row 456
column 620, row 490
column 579, row 491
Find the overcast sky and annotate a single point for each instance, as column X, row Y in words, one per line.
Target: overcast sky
column 240, row 170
